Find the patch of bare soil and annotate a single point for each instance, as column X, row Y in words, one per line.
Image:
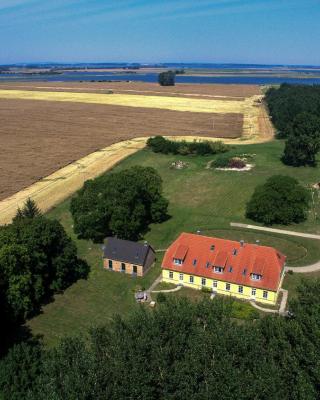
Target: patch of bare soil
column 39, row 137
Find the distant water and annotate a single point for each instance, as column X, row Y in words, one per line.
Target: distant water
column 153, row 77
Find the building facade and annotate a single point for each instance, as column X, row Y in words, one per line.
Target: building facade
column 127, row 257
column 246, row 271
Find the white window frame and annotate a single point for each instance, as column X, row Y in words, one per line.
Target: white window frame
column 253, row 292
column 218, row 270
column 203, row 281
column 191, row 279
column 170, row 274
column 228, row 285
column 215, row 284
column 256, row 277
column 181, row 277
column 177, row 261
column 265, row 294
column 240, row 289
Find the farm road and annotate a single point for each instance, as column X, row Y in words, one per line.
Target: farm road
column 281, row 231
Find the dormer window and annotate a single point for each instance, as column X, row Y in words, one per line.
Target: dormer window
column 177, row 261
column 256, row 277
column 234, row 252
column 212, row 247
column 194, row 262
column 207, row 264
column 230, row 269
column 219, row 270
column 244, row 272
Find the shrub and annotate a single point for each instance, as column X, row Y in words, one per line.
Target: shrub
column 159, row 144
column 236, row 162
column 161, row 298
column 218, row 147
column 221, row 162
column 206, row 289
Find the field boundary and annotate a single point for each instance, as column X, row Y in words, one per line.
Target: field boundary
column 58, row 186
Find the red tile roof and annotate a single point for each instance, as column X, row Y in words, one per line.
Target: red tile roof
column 181, row 252
column 249, row 259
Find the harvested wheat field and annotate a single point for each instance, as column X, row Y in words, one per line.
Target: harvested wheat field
column 218, row 91
column 43, row 131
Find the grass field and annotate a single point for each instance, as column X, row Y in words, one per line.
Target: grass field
column 200, row 198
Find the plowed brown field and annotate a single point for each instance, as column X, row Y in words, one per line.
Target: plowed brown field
column 39, row 137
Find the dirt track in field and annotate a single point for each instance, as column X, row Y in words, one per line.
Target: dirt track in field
column 40, row 137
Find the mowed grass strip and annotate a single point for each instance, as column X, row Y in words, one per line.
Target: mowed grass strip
column 131, row 100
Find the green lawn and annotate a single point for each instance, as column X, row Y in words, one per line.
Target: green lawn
column 199, row 198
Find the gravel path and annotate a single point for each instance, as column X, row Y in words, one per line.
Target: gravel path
column 273, row 230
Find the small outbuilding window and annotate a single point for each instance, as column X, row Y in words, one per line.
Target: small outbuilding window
column 110, row 264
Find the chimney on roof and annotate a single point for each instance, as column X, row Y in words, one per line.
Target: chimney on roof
column 242, row 243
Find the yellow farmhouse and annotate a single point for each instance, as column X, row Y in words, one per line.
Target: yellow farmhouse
column 244, row 270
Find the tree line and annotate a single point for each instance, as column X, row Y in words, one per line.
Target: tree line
column 159, row 144
column 295, row 111
column 180, row 350
column 37, row 259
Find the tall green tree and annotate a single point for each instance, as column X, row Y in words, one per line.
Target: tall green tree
column 122, row 204
column 167, row 78
column 37, row 259
column 180, row 350
column 280, row 200
column 29, row 210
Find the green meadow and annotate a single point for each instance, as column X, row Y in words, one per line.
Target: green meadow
column 200, row 199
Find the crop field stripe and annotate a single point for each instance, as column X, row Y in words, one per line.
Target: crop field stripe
column 141, row 101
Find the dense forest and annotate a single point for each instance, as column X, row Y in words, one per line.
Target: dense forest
column 180, row 350
column 295, row 112
column 288, row 101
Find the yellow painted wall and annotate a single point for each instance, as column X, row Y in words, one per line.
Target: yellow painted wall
column 221, row 287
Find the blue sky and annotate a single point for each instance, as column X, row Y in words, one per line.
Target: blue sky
column 239, row 31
